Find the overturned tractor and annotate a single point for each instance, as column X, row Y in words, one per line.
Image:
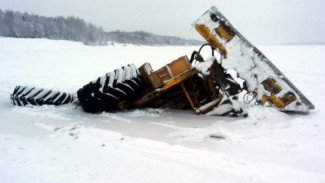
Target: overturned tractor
column 241, row 75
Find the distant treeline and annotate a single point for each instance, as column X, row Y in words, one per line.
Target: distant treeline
column 146, row 38
column 24, row 25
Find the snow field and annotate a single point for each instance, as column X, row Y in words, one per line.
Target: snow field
column 64, row 144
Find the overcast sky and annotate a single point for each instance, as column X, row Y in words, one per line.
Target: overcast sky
column 261, row 21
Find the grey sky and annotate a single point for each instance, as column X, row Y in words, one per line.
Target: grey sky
column 261, row 21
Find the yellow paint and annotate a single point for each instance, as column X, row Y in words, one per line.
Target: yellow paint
column 224, row 32
column 210, row 38
column 278, row 102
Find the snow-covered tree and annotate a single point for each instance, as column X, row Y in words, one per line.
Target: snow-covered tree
column 24, row 25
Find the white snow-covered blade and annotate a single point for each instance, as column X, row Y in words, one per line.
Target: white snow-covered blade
column 261, row 75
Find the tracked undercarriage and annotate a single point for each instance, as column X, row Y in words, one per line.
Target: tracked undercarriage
column 236, row 75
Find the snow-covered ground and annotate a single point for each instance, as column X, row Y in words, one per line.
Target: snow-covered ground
column 64, row 144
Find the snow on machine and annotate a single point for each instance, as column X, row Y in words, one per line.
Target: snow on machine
column 236, row 75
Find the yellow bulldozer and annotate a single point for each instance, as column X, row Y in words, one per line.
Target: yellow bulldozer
column 236, row 75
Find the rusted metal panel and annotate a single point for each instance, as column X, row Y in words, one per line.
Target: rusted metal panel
column 164, row 74
column 154, row 94
column 180, row 78
column 155, row 80
column 145, row 71
column 179, row 66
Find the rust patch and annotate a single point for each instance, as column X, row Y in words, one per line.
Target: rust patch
column 210, row 38
column 271, row 86
column 225, row 32
column 279, row 102
column 264, row 99
column 289, row 97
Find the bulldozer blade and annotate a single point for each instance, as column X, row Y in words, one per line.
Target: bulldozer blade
column 262, row 77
